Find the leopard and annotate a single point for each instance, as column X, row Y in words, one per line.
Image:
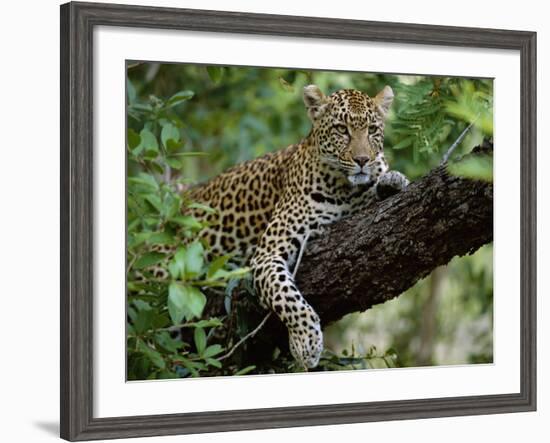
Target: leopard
column 266, row 209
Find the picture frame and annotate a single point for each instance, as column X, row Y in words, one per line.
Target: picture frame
column 78, row 21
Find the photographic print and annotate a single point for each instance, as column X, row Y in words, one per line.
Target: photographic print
column 265, row 227
column 282, row 220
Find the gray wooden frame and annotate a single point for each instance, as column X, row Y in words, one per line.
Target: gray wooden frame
column 77, row 24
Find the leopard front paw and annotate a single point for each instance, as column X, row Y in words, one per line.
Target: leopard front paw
column 306, row 344
column 390, row 184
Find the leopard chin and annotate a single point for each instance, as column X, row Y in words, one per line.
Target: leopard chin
column 359, row 179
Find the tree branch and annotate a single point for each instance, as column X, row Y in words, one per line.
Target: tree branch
column 374, row 256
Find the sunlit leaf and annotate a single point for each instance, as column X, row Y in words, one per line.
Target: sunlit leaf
column 176, row 266
column 174, row 163
column 148, row 142
column 212, row 350
column 286, row 85
column 197, row 301
column 479, row 167
column 213, row 362
column 184, row 302
column 148, row 259
column 154, row 200
column 200, row 340
column 169, row 132
column 187, row 221
column 215, row 73
column 194, row 259
column 210, row 323
column 179, row 97
column 246, row 370
column 205, row 208
column 217, row 264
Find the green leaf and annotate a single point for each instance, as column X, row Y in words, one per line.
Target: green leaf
column 184, row 302
column 144, row 320
column 216, row 265
column 479, row 167
column 286, row 85
column 197, row 301
column 154, row 200
column 177, row 300
column 131, row 92
column 222, row 274
column 161, row 320
column 140, row 304
column 138, row 366
column 213, row 362
column 200, row 340
column 133, row 139
column 163, row 375
column 145, row 180
column 172, row 205
column 131, row 313
column 188, row 222
column 148, row 142
column 215, row 73
column 245, row 370
column 155, row 166
column 137, row 239
column 130, row 329
column 210, row 323
column 407, row 141
column 179, row 97
column 193, row 366
column 170, row 344
column 141, row 107
column 173, row 146
column 169, row 132
column 237, row 273
column 176, row 266
column 194, row 259
column 148, row 259
column 205, row 208
column 174, row 163
column 210, row 351
column 161, row 238
column 152, row 354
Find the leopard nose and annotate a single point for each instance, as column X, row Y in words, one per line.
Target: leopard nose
column 361, row 160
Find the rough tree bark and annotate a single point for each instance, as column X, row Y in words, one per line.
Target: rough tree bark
column 376, row 255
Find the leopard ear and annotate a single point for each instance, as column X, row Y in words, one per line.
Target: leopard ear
column 315, row 101
column 384, row 99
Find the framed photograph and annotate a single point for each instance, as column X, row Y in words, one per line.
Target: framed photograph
column 272, row 221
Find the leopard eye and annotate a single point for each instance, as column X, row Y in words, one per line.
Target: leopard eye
column 373, row 129
column 341, row 129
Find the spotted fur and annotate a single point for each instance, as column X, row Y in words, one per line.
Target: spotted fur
column 266, row 208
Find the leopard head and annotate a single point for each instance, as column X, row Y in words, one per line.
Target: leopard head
column 348, row 128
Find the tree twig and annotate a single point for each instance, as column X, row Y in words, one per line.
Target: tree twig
column 246, row 337
column 300, row 254
column 457, row 142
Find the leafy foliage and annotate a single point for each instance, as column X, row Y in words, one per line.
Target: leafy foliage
column 430, row 114
column 159, row 307
column 475, row 168
column 187, row 123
